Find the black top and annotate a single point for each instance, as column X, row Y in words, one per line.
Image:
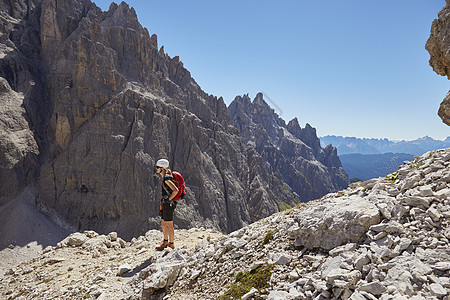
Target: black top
column 166, row 190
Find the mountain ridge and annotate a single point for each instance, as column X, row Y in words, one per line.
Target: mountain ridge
column 293, row 152
column 348, row 145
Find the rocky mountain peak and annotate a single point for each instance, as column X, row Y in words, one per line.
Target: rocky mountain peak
column 289, row 148
column 122, row 15
column 294, row 126
column 308, row 134
column 259, row 100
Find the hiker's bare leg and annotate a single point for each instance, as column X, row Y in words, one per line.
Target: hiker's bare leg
column 165, row 229
column 170, row 231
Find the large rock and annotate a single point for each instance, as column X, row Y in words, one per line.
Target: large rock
column 334, row 222
column 444, row 110
column 438, row 45
column 163, row 272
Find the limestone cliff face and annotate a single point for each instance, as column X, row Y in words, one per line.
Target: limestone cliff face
column 23, row 109
column 438, row 45
column 293, row 152
column 100, row 103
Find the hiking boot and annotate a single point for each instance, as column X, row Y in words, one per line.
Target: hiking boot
column 163, row 245
column 171, row 245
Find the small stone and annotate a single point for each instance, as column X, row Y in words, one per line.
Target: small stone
column 122, row 243
column 415, row 201
column 124, row 269
column 374, row 287
column 444, row 281
column 55, row 260
column 361, row 261
column 443, row 193
column 195, row 274
column 357, row 296
column 441, row 266
column 250, row 294
column 293, row 275
column 280, row 258
column 391, row 289
column 390, row 227
column 48, row 249
column 75, row 239
column 278, row 295
column 256, row 265
column 112, row 236
column 434, row 214
column 438, row 290
column 320, row 285
column 403, row 245
column 426, row 191
column 98, row 278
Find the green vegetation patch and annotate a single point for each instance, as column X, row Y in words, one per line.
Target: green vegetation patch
column 416, row 165
column 267, row 237
column 284, row 206
column 258, row 278
column 392, row 177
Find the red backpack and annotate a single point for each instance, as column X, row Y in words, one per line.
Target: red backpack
column 179, row 183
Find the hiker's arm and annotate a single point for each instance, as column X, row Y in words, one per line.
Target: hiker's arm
column 173, row 188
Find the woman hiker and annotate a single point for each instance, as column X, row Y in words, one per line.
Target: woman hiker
column 167, row 206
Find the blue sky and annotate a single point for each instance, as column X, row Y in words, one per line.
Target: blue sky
column 351, row 67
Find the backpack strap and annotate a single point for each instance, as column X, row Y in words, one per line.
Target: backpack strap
column 164, row 186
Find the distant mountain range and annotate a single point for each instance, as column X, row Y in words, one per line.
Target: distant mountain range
column 348, row 145
column 363, row 159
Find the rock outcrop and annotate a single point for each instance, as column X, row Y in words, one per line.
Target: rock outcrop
column 95, row 103
column 18, row 148
column 294, row 153
column 387, row 238
column 438, row 45
column 23, row 109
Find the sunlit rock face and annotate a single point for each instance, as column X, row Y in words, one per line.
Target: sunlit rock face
column 438, row 45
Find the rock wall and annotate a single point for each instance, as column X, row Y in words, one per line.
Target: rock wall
column 294, row 153
column 23, row 109
column 438, row 45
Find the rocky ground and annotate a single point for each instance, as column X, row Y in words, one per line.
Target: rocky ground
column 386, row 238
column 89, row 265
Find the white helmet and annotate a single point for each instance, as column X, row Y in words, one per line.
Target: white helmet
column 163, row 163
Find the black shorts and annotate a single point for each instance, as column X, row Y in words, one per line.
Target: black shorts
column 168, row 207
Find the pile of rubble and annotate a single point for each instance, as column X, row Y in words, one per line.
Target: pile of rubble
column 386, row 238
